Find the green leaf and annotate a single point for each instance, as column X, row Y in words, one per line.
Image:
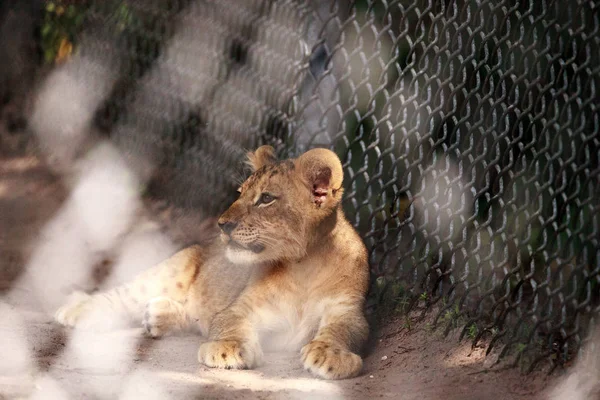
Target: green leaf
column 49, row 55
column 46, row 28
column 79, row 19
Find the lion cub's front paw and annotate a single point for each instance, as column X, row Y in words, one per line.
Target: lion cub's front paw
column 227, row 354
column 77, row 306
column 329, row 361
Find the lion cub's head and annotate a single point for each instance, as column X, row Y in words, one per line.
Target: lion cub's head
column 282, row 206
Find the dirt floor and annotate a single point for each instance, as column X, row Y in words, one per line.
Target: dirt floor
column 405, row 364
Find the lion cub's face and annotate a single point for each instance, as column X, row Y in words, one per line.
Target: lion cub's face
column 281, row 206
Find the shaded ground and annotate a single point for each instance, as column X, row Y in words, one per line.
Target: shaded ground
column 405, row 364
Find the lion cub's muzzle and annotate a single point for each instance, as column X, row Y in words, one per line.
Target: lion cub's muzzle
column 229, row 237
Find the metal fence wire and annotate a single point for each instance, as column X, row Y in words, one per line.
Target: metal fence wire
column 468, row 129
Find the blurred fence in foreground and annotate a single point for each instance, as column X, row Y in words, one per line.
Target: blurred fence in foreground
column 469, row 131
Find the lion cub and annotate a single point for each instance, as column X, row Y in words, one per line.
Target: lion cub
column 289, row 272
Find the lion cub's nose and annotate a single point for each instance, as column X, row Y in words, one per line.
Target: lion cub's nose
column 227, row 226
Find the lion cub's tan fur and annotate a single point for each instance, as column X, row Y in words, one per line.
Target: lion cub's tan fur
column 289, row 271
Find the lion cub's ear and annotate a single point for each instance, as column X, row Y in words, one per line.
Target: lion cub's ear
column 262, row 156
column 322, row 170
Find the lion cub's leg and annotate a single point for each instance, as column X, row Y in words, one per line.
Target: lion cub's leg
column 155, row 297
column 233, row 341
column 332, row 352
column 164, row 315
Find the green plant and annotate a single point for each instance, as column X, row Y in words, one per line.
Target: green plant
column 62, row 22
column 407, row 323
column 472, row 331
column 64, row 19
column 124, row 17
column 452, row 317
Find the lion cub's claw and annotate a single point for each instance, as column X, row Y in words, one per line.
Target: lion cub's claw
column 228, row 354
column 329, row 361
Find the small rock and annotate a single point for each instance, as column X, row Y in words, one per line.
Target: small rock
column 371, row 376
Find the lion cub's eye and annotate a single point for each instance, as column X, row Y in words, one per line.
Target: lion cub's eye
column 265, row 199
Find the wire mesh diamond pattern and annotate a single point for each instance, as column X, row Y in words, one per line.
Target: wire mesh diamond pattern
column 468, row 130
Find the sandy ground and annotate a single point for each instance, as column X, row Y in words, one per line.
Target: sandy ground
column 405, row 364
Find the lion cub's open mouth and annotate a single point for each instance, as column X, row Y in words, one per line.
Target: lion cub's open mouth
column 253, row 247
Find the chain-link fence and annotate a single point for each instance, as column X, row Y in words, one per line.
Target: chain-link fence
column 468, row 129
